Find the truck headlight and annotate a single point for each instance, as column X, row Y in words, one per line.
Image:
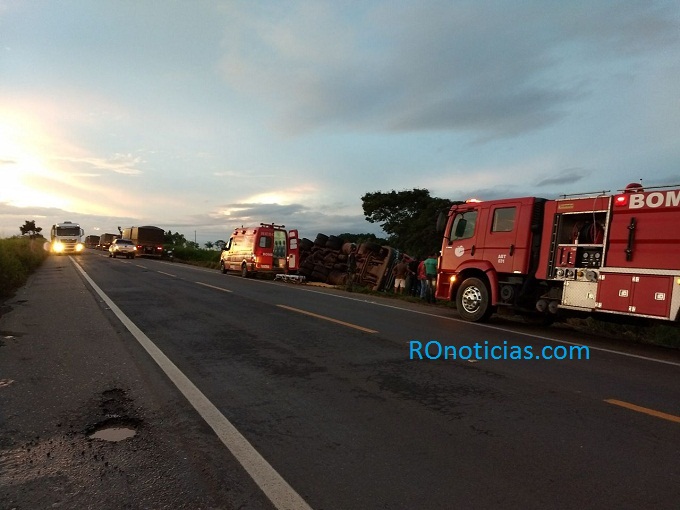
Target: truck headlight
column 79, row 247
column 58, row 247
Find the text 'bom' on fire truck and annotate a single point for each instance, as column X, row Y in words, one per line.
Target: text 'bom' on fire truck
column 599, row 253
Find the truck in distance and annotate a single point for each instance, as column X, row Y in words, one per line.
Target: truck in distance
column 91, row 241
column 105, row 241
column 66, row 238
column 148, row 240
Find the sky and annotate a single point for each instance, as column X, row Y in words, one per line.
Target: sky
column 201, row 116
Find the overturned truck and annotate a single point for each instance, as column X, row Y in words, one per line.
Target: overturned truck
column 325, row 260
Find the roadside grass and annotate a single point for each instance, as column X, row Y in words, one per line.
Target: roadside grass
column 19, row 257
column 655, row 334
column 196, row 256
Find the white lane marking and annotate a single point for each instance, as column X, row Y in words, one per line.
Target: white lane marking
column 279, row 492
column 139, row 265
column 167, row 274
column 496, row 328
column 213, row 287
column 488, row 326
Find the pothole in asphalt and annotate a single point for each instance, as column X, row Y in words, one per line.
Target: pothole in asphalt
column 117, row 423
column 114, row 429
column 114, row 434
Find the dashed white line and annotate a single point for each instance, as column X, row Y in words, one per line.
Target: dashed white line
column 213, row 287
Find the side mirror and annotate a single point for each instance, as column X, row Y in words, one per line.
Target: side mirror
column 460, row 228
column 441, row 222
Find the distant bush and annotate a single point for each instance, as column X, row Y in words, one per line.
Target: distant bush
column 196, row 256
column 19, row 256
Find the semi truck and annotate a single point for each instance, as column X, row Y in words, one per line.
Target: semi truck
column 597, row 254
column 267, row 248
column 91, row 241
column 105, row 241
column 148, row 239
column 65, row 238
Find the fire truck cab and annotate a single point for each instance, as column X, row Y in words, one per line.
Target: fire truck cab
column 600, row 253
column 268, row 248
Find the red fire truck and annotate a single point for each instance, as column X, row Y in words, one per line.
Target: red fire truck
column 268, row 248
column 597, row 254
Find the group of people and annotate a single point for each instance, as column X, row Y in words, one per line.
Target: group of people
column 416, row 277
column 411, row 276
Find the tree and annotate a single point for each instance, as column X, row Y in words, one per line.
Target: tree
column 209, row 245
column 175, row 239
column 362, row 238
column 30, row 228
column 408, row 217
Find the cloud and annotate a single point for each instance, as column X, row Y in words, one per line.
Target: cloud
column 568, row 177
column 118, row 163
column 490, row 69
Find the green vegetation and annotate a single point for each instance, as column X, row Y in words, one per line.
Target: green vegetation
column 19, row 256
column 195, row 256
column 656, row 334
column 408, row 217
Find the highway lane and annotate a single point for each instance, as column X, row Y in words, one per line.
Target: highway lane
column 350, row 422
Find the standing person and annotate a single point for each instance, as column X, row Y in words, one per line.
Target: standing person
column 351, row 267
column 412, row 282
column 400, row 271
column 431, row 274
column 422, row 279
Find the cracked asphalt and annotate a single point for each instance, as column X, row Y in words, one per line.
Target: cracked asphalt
column 65, row 374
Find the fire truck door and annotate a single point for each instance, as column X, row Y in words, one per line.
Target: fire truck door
column 500, row 240
column 462, row 244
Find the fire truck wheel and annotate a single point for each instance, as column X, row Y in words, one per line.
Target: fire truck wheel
column 244, row 271
column 472, row 300
column 223, row 268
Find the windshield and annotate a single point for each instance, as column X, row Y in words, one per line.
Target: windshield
column 68, row 231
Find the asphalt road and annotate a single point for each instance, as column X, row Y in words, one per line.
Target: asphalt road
column 246, row 393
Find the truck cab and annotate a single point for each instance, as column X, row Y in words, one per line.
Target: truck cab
column 488, row 250
column 66, row 238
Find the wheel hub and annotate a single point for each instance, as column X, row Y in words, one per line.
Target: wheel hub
column 472, row 299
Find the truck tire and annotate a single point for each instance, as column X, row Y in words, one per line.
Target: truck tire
column 472, row 300
column 334, row 243
column 244, row 271
column 222, row 267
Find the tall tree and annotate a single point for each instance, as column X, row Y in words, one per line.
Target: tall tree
column 30, row 228
column 408, row 217
column 176, row 239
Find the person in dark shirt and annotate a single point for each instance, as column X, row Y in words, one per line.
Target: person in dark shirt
column 430, row 265
column 400, row 272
